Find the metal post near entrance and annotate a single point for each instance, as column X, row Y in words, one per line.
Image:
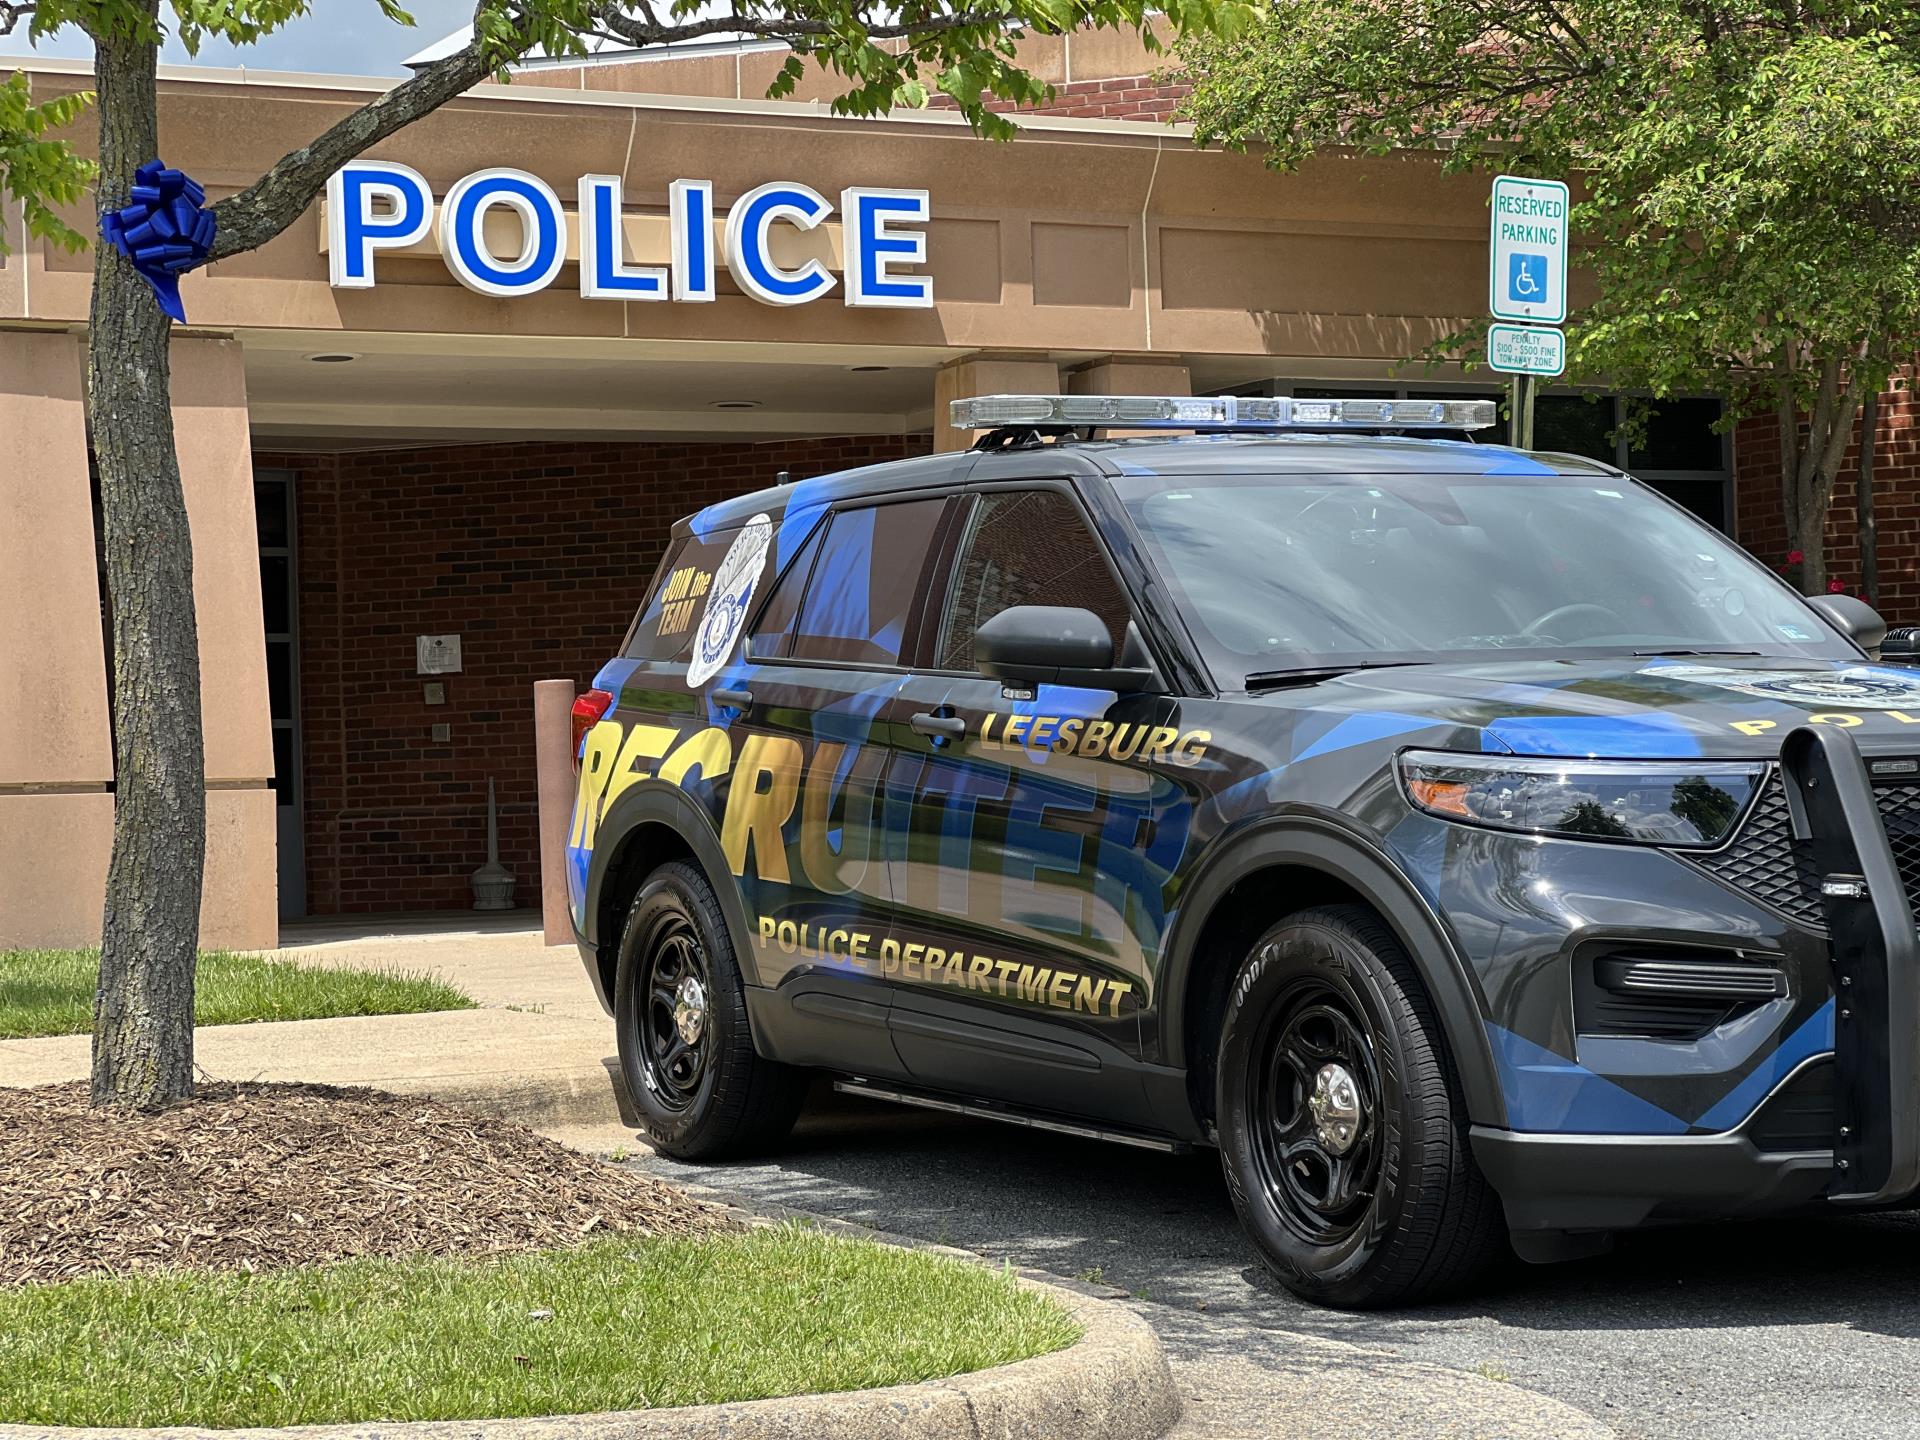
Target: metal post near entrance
column 553, row 768
column 1520, row 412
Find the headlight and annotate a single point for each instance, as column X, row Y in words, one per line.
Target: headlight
column 1648, row 802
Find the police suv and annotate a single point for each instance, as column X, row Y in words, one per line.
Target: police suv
column 1469, row 844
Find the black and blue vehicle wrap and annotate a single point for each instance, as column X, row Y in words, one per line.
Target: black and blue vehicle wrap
column 1042, row 910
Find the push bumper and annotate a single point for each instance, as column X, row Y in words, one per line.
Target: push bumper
column 1876, row 967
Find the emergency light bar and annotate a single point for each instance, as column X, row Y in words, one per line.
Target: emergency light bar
column 1217, row 412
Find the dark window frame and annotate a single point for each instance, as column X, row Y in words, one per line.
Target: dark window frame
column 936, row 614
column 810, row 553
column 911, row 638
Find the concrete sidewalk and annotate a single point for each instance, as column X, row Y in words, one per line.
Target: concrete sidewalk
column 539, row 1049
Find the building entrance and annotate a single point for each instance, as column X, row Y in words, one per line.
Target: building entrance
column 273, row 511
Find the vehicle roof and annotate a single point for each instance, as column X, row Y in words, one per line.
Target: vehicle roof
column 1293, row 453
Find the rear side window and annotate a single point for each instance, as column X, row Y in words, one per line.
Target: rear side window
column 1028, row 547
column 773, row 631
column 665, row 628
column 865, row 582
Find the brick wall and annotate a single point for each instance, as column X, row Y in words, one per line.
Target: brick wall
column 1761, row 526
column 536, row 556
column 1133, row 97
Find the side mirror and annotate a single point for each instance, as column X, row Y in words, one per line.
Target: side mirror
column 1853, row 618
column 1053, row 645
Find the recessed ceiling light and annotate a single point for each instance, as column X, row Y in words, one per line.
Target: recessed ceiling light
column 332, row 357
column 736, row 404
column 869, row 369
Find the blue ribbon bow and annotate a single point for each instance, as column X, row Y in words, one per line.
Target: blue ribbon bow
column 163, row 231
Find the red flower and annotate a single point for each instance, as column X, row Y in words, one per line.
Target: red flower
column 1836, row 587
column 1866, row 597
column 1796, row 557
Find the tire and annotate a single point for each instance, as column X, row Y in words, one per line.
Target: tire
column 1370, row 1197
column 713, row 1097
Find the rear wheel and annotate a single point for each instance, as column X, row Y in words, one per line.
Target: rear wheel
column 680, row 1015
column 1341, row 1128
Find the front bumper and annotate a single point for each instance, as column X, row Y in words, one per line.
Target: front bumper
column 1618, row 1182
column 1865, row 1150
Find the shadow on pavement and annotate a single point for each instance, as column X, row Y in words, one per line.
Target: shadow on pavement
column 1715, row 1328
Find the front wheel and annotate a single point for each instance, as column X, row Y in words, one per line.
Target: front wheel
column 680, row 1015
column 1341, row 1128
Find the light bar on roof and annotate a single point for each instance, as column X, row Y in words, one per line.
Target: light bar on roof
column 1218, row 412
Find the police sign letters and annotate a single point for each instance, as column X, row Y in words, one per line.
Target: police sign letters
column 377, row 205
column 1528, row 279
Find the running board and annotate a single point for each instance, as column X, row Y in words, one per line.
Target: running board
column 986, row 1110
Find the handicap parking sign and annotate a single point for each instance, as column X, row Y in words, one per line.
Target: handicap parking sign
column 1526, row 277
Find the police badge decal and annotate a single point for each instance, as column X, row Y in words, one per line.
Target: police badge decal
column 1857, row 688
column 728, row 601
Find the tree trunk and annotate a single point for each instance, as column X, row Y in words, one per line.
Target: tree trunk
column 143, row 1009
column 1869, row 523
column 1787, row 417
column 1809, row 470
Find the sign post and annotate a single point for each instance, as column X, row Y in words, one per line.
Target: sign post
column 1527, row 284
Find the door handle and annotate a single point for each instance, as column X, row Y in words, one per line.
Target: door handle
column 938, row 727
column 737, row 699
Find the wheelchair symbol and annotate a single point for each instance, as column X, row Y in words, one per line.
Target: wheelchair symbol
column 1526, row 277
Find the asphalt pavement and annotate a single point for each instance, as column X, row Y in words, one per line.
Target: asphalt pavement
column 1808, row 1328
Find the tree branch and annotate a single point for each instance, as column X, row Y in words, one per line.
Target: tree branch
column 1824, row 396
column 1787, row 416
column 12, row 12
column 251, row 218
column 1834, row 444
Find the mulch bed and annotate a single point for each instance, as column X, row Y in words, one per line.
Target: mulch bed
column 254, row 1177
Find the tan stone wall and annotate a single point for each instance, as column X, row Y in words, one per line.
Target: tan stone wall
column 56, row 754
column 56, row 758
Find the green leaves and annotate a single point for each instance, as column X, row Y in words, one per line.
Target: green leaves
column 38, row 172
column 1751, row 171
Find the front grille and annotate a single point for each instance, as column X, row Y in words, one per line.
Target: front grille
column 1767, row 863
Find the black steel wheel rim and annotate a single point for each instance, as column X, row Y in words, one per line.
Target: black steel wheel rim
column 1321, row 1191
column 671, row 1066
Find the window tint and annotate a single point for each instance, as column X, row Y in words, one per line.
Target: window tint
column 865, row 582
column 672, row 613
column 1027, row 548
column 774, row 630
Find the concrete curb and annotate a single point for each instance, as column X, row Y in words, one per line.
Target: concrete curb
column 1317, row 1395
column 1112, row 1384
column 583, row 1098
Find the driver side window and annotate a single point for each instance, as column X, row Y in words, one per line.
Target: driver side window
column 1027, row 547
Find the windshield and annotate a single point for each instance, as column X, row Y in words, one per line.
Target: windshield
column 1278, row 572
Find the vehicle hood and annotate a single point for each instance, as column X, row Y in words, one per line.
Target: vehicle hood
column 1656, row 707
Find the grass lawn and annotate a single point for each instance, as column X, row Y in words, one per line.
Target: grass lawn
column 50, row 992
column 614, row 1325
